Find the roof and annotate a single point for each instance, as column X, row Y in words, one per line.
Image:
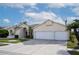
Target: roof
column 47, row 21
column 34, row 25
column 16, row 26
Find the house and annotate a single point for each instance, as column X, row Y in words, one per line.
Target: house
column 50, row 30
column 22, row 30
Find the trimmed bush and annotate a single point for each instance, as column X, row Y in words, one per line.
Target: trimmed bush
column 3, row 33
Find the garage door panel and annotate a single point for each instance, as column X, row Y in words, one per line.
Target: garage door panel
column 61, row 35
column 44, row 35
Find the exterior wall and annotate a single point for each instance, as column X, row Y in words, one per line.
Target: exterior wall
column 11, row 29
column 51, row 31
column 49, row 26
column 25, row 26
column 20, row 33
column 19, row 30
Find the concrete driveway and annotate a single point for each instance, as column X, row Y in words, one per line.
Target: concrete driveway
column 35, row 47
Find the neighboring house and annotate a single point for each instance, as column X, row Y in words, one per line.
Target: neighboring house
column 50, row 30
column 22, row 30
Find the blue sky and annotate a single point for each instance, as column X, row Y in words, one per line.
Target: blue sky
column 12, row 14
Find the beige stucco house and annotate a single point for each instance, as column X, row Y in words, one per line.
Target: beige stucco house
column 22, row 30
column 50, row 30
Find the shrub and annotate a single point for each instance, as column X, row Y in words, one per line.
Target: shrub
column 3, row 33
column 72, row 43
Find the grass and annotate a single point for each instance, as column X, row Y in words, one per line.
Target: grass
column 3, row 44
column 6, row 40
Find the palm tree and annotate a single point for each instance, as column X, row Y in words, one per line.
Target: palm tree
column 74, row 25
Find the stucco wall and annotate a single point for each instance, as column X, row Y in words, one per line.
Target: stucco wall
column 25, row 26
column 20, row 32
column 50, row 26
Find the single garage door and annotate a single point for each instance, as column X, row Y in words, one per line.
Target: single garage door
column 49, row 35
column 61, row 36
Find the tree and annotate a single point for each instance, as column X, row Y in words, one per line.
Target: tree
column 74, row 25
column 3, row 33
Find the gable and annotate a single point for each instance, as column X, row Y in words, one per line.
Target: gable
column 50, row 26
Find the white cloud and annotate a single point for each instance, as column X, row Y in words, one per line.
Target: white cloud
column 70, row 19
column 76, row 10
column 60, row 5
column 32, row 6
column 43, row 16
column 59, row 20
column 20, row 5
column 49, row 5
column 56, row 5
column 6, row 20
column 74, row 6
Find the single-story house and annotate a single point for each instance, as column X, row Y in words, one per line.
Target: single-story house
column 22, row 30
column 50, row 30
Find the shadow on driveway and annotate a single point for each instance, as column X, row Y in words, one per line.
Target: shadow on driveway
column 63, row 52
column 40, row 42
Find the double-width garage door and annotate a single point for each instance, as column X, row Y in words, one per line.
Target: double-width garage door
column 49, row 35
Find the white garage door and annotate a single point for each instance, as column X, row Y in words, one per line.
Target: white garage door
column 61, row 35
column 51, row 35
column 44, row 35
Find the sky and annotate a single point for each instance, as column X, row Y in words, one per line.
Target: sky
column 35, row 13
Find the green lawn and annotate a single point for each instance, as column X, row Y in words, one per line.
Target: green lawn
column 3, row 44
column 6, row 40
